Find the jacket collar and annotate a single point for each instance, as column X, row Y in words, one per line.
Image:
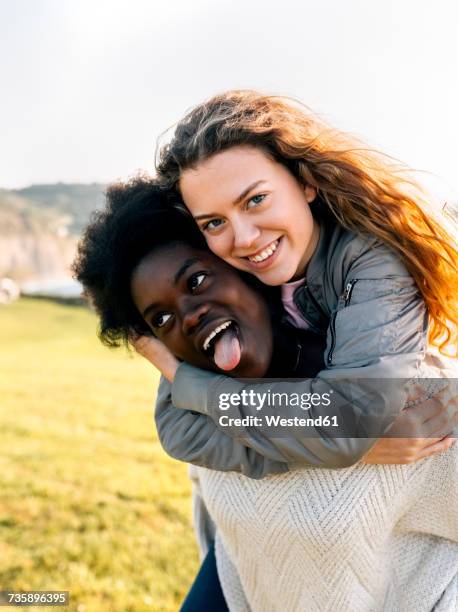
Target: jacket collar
column 315, row 266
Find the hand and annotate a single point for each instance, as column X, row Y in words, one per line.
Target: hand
column 156, row 353
column 428, row 427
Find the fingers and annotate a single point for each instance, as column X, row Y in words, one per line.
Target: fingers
column 414, row 449
column 439, row 426
column 408, row 450
column 155, row 351
column 426, row 447
column 410, row 423
column 133, row 336
column 448, row 404
column 435, row 416
column 418, row 392
column 146, row 345
column 438, row 447
column 428, row 408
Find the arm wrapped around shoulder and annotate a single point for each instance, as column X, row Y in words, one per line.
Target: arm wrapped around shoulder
column 375, row 345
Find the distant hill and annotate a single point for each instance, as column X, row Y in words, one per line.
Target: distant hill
column 40, row 225
column 74, row 201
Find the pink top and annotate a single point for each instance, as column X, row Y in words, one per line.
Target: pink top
column 294, row 315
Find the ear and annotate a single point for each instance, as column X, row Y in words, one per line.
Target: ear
column 310, row 193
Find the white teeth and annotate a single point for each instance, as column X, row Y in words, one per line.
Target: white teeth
column 265, row 253
column 216, row 331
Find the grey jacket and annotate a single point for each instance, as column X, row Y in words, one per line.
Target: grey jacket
column 359, row 294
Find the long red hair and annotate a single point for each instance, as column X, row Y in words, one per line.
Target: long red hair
column 365, row 190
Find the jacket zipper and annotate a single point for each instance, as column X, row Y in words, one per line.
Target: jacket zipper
column 298, row 356
column 348, row 291
column 346, row 296
column 332, row 327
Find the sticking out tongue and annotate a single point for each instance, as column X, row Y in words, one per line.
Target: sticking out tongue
column 227, row 350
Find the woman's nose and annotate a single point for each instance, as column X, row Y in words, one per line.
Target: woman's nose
column 192, row 313
column 245, row 235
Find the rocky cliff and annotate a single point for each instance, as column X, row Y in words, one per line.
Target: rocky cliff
column 40, row 226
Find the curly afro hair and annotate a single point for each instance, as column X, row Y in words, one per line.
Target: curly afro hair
column 139, row 216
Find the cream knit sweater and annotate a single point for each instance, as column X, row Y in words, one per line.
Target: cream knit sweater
column 361, row 539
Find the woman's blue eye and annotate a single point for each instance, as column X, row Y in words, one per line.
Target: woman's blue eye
column 196, row 280
column 255, row 201
column 212, row 224
column 161, row 319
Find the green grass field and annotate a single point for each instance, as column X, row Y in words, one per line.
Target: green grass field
column 89, row 502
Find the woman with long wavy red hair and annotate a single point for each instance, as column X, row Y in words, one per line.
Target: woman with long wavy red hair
column 361, row 258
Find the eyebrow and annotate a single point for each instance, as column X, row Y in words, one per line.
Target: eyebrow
column 148, row 309
column 187, row 264
column 237, row 200
column 182, row 269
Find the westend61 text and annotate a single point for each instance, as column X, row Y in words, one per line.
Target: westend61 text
column 277, row 421
column 268, row 399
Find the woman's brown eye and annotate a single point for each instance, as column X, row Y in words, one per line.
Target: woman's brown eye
column 196, row 280
column 161, row 319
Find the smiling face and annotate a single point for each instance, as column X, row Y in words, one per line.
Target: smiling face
column 253, row 212
column 203, row 311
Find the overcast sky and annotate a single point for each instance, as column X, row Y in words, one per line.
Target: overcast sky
column 88, row 85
